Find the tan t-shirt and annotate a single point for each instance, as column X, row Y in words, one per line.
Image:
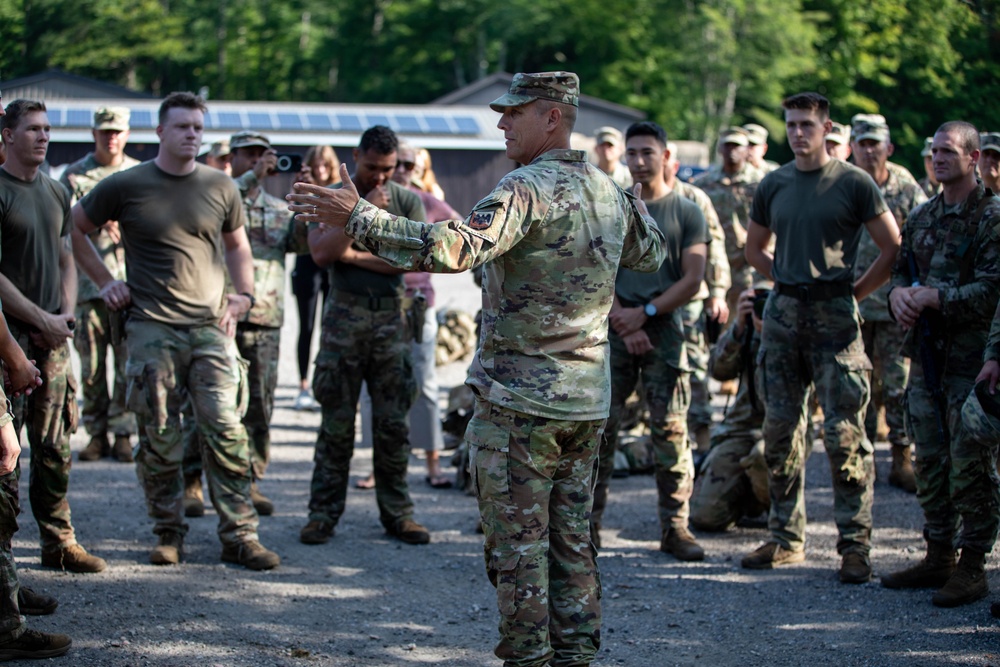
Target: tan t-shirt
column 171, row 229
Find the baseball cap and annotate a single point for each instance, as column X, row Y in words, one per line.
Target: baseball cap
column 608, row 135
column 734, row 135
column 112, row 118
column 928, row 142
column 839, row 134
column 989, row 141
column 524, row 88
column 756, row 134
column 246, row 139
column 869, row 126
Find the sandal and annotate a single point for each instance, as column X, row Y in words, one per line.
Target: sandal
column 365, row 483
column 439, row 482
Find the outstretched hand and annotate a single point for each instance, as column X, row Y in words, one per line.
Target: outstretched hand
column 326, row 206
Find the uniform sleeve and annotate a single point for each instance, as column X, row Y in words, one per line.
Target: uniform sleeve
column 761, row 199
column 968, row 302
column 695, row 229
column 644, row 248
column 235, row 214
column 725, row 360
column 717, row 274
column 870, row 201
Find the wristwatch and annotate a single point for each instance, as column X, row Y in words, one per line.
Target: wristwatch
column 253, row 301
column 649, row 309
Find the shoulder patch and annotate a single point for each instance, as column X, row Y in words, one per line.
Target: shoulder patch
column 482, row 220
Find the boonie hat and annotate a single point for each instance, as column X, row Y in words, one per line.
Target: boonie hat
column 734, row 135
column 990, row 141
column 869, row 126
column 838, row 134
column 608, row 135
column 981, row 413
column 246, row 139
column 756, row 134
column 219, row 149
column 112, row 118
column 556, row 86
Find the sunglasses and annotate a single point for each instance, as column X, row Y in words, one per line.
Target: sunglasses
column 407, row 166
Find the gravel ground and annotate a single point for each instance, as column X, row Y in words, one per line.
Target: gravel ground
column 364, row 599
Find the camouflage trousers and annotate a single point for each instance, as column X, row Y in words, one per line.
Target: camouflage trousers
column 12, row 624
column 667, row 395
column 700, row 411
column 166, row 364
column 883, row 345
column 957, row 484
column 50, row 414
column 816, row 343
column 533, row 477
column 732, row 483
column 103, row 411
column 260, row 347
column 359, row 344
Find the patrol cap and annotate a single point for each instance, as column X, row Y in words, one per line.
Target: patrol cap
column 246, row 139
column 838, row 134
column 734, row 135
column 556, row 86
column 112, row 118
column 928, row 142
column 981, row 413
column 869, row 126
column 989, row 141
column 608, row 135
column 756, row 134
column 219, row 149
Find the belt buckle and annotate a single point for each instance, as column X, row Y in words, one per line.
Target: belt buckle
column 803, row 291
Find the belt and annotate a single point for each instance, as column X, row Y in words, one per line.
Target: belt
column 370, row 302
column 816, row 291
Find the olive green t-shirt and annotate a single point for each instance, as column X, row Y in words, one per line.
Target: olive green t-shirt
column 683, row 225
column 34, row 218
column 817, row 218
column 171, row 230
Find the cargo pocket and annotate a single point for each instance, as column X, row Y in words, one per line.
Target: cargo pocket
column 242, row 387
column 325, row 377
column 71, row 411
column 136, row 398
column 489, row 446
column 853, row 381
column 503, row 575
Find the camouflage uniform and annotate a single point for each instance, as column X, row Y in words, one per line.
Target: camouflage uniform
column 884, row 338
column 101, row 412
column 716, row 284
column 12, row 624
column 955, row 481
column 273, row 234
column 365, row 337
column 731, row 196
column 732, row 482
column 930, row 189
column 541, row 373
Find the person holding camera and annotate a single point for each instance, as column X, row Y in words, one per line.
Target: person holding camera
column 732, row 480
column 273, row 234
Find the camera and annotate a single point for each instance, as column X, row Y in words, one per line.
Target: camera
column 288, row 162
column 759, row 301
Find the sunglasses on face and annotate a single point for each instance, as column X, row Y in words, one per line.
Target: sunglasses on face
column 406, row 166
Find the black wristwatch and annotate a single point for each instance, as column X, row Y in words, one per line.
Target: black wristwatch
column 253, row 301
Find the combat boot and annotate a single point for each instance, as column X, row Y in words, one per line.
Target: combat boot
column 250, row 554
column 34, row 645
column 680, row 543
column 901, row 474
column 933, row 571
column 261, row 503
column 72, row 558
column 194, row 502
column 123, row 449
column 168, row 551
column 855, row 568
column 968, row 584
column 771, row 555
column 35, row 604
column 96, row 449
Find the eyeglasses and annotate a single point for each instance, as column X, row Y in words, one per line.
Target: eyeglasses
column 406, row 166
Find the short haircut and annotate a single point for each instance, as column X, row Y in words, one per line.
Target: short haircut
column 968, row 135
column 17, row 110
column 809, row 102
column 569, row 112
column 646, row 128
column 379, row 139
column 182, row 100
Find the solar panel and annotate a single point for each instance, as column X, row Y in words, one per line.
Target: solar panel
column 78, row 118
column 230, row 120
column 438, row 124
column 290, row 121
column 319, row 121
column 349, row 122
column 260, row 121
column 466, row 125
column 408, row 124
column 142, row 120
column 55, row 116
column 380, row 119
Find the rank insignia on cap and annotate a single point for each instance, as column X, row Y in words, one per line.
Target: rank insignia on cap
column 481, row 220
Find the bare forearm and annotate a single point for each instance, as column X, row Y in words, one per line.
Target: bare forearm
column 67, row 269
column 85, row 256
column 17, row 305
column 876, row 276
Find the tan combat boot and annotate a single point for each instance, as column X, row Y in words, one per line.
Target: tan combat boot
column 968, row 584
column 901, row 474
column 680, row 543
column 123, row 449
column 168, row 551
column 933, row 571
column 96, row 449
column 194, row 502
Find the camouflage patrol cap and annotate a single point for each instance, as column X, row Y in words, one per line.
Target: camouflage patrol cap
column 608, row 135
column 869, row 126
column 561, row 87
column 734, row 135
column 981, row 413
column 989, row 141
column 928, row 143
column 112, row 118
column 219, row 149
column 838, row 134
column 756, row 134
column 246, row 139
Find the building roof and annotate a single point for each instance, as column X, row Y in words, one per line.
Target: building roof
column 54, row 84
